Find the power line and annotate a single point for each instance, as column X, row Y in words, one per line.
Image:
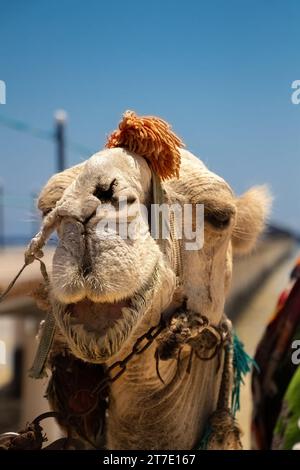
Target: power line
column 24, row 127
column 55, row 136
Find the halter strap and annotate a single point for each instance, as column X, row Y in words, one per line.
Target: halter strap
column 38, row 368
column 175, row 255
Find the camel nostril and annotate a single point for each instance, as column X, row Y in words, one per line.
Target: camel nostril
column 105, row 194
column 86, row 269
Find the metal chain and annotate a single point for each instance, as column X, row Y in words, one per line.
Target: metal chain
column 141, row 345
column 137, row 349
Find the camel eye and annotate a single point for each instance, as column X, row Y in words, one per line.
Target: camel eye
column 219, row 220
column 105, row 194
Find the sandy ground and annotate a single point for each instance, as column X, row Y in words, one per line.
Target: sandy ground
column 250, row 325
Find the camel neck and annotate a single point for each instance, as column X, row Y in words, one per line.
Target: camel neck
column 144, row 413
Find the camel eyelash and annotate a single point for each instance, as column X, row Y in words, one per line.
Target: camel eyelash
column 219, row 220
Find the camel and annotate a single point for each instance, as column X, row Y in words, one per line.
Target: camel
column 106, row 292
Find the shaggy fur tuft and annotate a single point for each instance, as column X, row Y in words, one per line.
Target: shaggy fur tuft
column 151, row 138
column 253, row 208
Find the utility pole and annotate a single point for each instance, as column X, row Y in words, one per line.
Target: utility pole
column 60, row 118
column 34, row 214
column 2, row 240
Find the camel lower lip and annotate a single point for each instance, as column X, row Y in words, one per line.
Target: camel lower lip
column 96, row 331
column 95, row 316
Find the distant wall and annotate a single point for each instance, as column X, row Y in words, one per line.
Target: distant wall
column 249, row 272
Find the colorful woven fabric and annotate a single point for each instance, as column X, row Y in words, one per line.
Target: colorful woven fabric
column 287, row 429
column 276, row 368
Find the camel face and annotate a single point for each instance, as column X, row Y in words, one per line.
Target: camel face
column 105, row 286
column 112, row 280
column 106, row 260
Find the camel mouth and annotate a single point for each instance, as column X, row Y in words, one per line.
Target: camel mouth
column 99, row 321
column 96, row 331
column 97, row 317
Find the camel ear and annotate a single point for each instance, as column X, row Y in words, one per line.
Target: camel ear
column 253, row 208
column 55, row 187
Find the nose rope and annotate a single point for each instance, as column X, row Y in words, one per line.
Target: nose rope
column 12, row 283
column 34, row 252
column 34, row 249
column 38, row 368
column 175, row 255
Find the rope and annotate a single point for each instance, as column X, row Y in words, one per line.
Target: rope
column 29, row 258
column 12, row 283
column 38, row 368
column 175, row 255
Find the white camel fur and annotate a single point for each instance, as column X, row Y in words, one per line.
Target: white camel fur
column 96, row 281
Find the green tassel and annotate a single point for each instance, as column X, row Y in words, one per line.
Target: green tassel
column 242, row 364
column 205, row 438
column 215, row 429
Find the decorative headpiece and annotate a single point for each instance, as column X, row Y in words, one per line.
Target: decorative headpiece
column 151, row 138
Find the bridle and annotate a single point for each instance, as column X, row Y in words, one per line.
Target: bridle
column 220, row 337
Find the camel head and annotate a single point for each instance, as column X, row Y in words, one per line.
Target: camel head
column 106, row 287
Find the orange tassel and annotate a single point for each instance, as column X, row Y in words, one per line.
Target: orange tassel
column 151, row 138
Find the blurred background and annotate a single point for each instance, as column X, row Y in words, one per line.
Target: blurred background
column 220, row 72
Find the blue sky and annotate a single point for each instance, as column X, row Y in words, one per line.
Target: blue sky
column 219, row 71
